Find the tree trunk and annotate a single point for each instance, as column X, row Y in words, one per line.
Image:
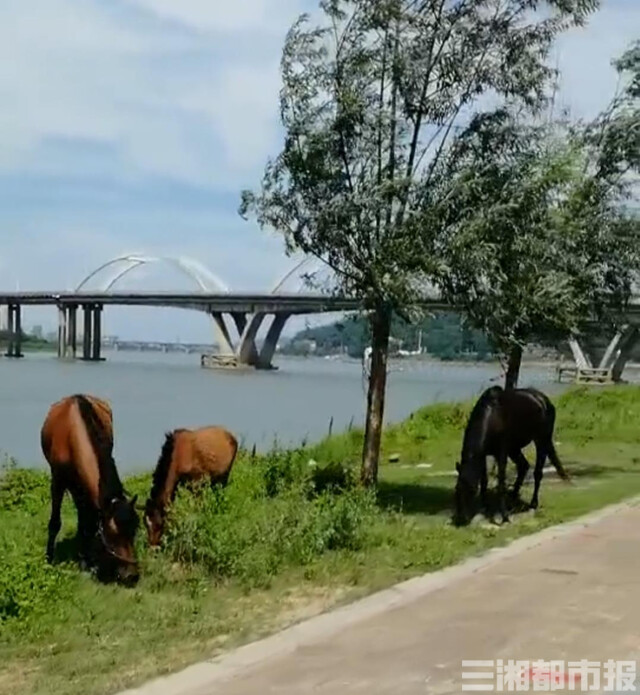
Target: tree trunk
column 513, row 368
column 380, row 330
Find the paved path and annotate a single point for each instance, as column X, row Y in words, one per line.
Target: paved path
column 568, row 593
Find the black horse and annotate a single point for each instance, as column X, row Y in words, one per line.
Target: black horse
column 501, row 424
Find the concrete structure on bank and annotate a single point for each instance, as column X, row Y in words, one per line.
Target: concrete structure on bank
column 237, row 317
column 607, row 364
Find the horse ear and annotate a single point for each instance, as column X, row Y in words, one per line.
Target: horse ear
column 458, row 466
column 134, row 500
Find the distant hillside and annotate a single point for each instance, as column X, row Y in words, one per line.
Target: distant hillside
column 443, row 336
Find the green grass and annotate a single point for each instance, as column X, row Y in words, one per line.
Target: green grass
column 284, row 541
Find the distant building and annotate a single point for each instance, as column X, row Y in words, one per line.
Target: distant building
column 37, row 332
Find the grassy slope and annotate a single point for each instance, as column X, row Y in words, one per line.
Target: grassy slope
column 80, row 637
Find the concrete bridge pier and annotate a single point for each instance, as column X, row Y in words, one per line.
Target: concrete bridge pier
column 224, row 337
column 67, row 332
column 247, row 352
column 242, row 351
column 92, row 337
column 97, row 332
column 624, row 347
column 613, row 357
column 270, row 344
column 62, row 332
column 14, row 326
column 247, row 327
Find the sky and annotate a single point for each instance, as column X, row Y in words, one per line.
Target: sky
column 130, row 126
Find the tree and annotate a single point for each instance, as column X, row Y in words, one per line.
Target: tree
column 535, row 242
column 614, row 136
column 371, row 98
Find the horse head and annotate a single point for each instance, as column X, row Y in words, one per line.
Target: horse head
column 154, row 518
column 118, row 526
column 464, row 498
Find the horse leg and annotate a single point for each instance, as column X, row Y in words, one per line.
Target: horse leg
column 541, row 455
column 220, row 481
column 55, row 523
column 502, row 474
column 85, row 535
column 523, row 467
column 484, row 482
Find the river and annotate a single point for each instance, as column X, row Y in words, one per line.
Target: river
column 151, row 393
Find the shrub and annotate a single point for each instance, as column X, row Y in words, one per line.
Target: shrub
column 28, row 587
column 251, row 534
column 334, row 477
column 23, row 489
column 281, row 469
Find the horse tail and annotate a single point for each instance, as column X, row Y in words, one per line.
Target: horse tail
column 551, row 450
column 233, row 443
column 102, row 445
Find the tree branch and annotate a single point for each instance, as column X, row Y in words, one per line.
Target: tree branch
column 392, row 138
column 380, row 124
column 463, row 98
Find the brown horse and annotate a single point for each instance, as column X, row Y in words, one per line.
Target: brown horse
column 77, row 441
column 187, row 455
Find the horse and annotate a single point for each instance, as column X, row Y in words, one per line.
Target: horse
column 187, row 456
column 501, row 424
column 77, row 442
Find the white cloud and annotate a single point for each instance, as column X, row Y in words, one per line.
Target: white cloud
column 241, row 106
column 189, row 90
column 168, row 102
column 217, row 16
column 584, row 55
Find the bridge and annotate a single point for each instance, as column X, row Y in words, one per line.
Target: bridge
column 237, row 317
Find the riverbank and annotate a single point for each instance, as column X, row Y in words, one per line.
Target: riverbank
column 278, row 545
column 31, row 347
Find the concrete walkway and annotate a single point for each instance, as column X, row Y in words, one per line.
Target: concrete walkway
column 567, row 593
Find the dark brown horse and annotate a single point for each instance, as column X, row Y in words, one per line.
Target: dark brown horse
column 501, row 424
column 187, row 455
column 77, row 441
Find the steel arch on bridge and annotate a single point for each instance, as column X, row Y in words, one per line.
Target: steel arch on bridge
column 203, row 276
column 237, row 340
column 200, row 274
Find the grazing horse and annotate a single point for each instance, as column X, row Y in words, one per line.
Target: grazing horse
column 77, row 441
column 187, row 455
column 501, row 424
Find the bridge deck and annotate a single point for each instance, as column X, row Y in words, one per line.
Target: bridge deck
column 203, row 301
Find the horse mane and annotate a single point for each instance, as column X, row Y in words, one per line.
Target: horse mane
column 490, row 396
column 164, row 464
column 110, row 485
